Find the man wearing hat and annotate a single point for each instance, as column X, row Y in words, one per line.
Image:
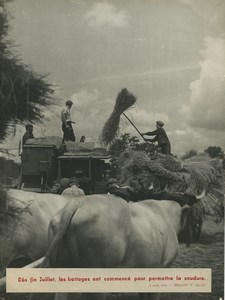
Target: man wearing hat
column 74, row 190
column 28, row 134
column 60, row 186
column 160, row 137
column 68, row 134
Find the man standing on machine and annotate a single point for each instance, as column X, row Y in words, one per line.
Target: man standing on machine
column 68, row 134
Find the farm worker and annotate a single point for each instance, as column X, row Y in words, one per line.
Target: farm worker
column 112, row 184
column 160, row 137
column 27, row 135
column 60, row 186
column 73, row 190
column 82, row 139
column 68, row 134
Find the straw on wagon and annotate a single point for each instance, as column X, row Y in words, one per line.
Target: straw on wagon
column 139, row 171
column 124, row 100
column 191, row 176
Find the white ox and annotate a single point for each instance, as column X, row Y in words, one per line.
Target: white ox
column 24, row 227
column 104, row 231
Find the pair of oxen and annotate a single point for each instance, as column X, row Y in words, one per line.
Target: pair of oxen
column 95, row 231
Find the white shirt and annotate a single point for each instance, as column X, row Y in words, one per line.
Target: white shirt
column 65, row 115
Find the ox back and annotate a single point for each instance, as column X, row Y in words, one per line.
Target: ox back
column 105, row 231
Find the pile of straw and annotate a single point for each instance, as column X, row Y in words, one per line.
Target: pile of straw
column 168, row 162
column 124, row 100
column 139, row 171
column 191, row 176
column 206, row 173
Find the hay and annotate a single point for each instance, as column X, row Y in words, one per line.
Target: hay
column 123, row 101
column 191, row 176
column 139, row 171
column 169, row 162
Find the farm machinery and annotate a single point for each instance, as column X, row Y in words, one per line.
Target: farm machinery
column 45, row 161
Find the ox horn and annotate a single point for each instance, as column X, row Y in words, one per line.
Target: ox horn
column 202, row 195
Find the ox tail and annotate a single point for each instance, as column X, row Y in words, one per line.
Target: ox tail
column 68, row 212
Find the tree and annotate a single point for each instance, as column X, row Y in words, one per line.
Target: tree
column 189, row 154
column 214, row 151
column 118, row 146
column 128, row 142
column 23, row 92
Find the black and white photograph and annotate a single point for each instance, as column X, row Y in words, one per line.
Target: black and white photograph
column 112, row 142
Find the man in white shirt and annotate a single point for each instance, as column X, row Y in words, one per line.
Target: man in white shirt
column 68, row 134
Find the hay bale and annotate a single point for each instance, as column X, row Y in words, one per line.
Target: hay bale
column 123, row 101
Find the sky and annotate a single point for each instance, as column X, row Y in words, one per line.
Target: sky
column 169, row 53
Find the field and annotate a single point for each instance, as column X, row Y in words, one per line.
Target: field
column 208, row 253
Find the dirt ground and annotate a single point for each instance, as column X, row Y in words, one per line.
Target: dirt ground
column 208, row 253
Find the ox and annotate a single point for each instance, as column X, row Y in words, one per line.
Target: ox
column 24, row 227
column 104, row 231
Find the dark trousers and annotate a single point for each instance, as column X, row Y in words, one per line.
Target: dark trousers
column 165, row 148
column 68, row 134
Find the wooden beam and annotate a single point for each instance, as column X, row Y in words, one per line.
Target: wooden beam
column 34, row 264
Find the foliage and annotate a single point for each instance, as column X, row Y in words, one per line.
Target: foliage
column 23, row 93
column 189, row 154
column 214, row 151
column 128, row 142
column 123, row 143
column 9, row 169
